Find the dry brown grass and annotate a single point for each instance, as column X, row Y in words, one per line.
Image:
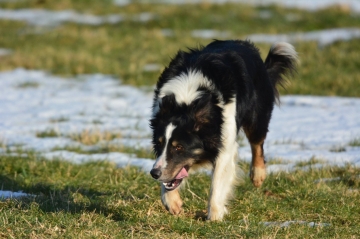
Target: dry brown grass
column 92, row 137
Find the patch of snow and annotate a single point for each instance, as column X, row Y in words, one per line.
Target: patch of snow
column 264, row 14
column 293, row 17
column 210, row 34
column 122, row 2
column 83, row 101
column 309, row 5
column 327, row 180
column 4, row 52
column 152, row 67
column 120, row 159
column 323, row 37
column 288, row 223
column 42, row 17
column 167, row 32
column 9, row 194
column 302, row 128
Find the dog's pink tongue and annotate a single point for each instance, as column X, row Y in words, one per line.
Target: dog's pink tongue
column 183, row 173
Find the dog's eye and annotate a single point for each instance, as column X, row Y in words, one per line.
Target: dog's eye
column 179, row 147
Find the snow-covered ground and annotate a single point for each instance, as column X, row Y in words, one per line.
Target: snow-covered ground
column 9, row 194
column 34, row 101
column 310, row 5
column 322, row 37
column 42, row 17
column 288, row 223
column 4, row 52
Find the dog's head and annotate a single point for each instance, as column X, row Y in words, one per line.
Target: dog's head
column 184, row 135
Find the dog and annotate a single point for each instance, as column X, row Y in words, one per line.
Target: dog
column 201, row 101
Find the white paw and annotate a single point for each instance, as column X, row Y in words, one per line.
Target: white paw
column 172, row 202
column 216, row 214
column 257, row 175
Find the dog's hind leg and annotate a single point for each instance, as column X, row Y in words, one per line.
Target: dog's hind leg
column 257, row 168
column 256, row 137
column 171, row 200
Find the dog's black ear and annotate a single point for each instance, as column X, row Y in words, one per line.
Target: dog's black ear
column 202, row 111
column 167, row 104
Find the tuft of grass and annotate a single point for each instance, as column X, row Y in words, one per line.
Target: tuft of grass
column 28, row 85
column 108, row 148
column 99, row 200
column 286, row 141
column 355, row 142
column 312, row 161
column 338, row 149
column 48, row 133
column 92, row 137
column 275, row 161
column 58, row 120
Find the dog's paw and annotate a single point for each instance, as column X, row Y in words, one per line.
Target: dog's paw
column 172, row 202
column 257, row 176
column 175, row 207
column 216, row 214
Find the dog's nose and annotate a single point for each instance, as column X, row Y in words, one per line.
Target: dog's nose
column 155, row 173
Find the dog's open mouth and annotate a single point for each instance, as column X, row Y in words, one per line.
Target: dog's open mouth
column 169, row 186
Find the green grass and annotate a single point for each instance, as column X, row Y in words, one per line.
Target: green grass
column 312, row 161
column 125, row 48
column 355, row 142
column 99, row 139
column 108, row 148
column 59, row 120
column 99, row 200
column 28, row 85
column 50, row 133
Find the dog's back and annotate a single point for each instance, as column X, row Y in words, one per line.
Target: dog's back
column 201, row 101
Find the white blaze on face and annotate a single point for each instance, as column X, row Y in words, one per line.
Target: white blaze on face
column 161, row 160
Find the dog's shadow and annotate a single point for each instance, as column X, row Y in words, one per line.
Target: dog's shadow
column 200, row 215
column 54, row 200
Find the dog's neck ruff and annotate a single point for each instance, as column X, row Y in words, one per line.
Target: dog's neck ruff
column 185, row 87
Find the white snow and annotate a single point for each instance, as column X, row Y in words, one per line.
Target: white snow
column 4, row 52
column 210, row 34
column 288, row 223
column 9, row 194
column 310, row 5
column 43, row 17
column 327, row 180
column 302, row 128
column 323, row 37
column 120, row 159
column 152, row 67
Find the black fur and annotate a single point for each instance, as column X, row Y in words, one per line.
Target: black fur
column 235, row 69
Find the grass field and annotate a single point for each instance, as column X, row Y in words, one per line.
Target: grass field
column 100, row 200
column 124, row 49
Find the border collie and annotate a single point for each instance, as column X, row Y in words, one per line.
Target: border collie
column 202, row 100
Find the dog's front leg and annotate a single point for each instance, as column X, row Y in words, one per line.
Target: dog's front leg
column 223, row 179
column 171, row 200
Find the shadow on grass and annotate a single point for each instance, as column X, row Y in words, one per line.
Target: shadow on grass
column 71, row 199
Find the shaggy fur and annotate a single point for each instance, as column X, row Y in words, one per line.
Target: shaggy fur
column 202, row 100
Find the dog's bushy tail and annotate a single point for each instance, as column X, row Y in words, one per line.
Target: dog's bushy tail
column 281, row 62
